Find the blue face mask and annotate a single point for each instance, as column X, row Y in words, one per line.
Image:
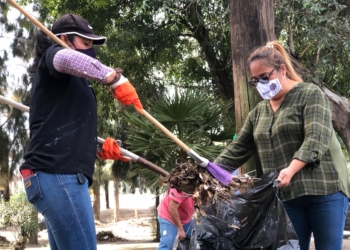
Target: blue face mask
column 89, row 52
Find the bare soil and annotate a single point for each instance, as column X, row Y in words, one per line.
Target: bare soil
column 128, row 231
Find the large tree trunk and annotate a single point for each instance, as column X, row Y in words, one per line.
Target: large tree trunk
column 116, row 199
column 252, row 25
column 340, row 116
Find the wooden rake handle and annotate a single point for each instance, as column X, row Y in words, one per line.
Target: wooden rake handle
column 134, row 157
column 139, row 160
column 166, row 131
column 58, row 41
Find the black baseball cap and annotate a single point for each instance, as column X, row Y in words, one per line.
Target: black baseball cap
column 73, row 24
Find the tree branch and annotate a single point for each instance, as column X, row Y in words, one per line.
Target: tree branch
column 318, row 55
column 291, row 42
column 306, row 48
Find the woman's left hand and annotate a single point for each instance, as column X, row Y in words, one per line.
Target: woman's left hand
column 284, row 177
column 287, row 174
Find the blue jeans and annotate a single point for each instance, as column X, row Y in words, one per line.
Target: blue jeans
column 324, row 216
column 168, row 233
column 66, row 206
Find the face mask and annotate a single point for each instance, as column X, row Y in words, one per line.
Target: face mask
column 270, row 89
column 89, row 52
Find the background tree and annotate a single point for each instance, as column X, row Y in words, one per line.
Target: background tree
column 317, row 35
column 248, row 31
column 194, row 117
column 120, row 170
column 187, row 44
column 189, row 41
column 12, row 122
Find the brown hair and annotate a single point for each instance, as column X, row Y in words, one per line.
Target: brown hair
column 274, row 55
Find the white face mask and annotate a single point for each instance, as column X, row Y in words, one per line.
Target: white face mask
column 270, row 89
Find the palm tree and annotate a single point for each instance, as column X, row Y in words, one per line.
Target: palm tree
column 197, row 119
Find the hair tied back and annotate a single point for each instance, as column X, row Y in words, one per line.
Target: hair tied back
column 270, row 46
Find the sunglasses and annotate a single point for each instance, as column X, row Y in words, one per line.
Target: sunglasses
column 265, row 79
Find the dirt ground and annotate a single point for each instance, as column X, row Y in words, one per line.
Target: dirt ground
column 127, row 231
column 134, row 233
column 131, row 232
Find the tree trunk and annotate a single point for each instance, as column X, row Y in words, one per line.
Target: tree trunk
column 116, row 199
column 7, row 190
column 217, row 67
column 33, row 238
column 340, row 116
column 252, row 25
column 347, row 11
column 106, row 186
column 158, row 226
column 136, row 213
column 97, row 201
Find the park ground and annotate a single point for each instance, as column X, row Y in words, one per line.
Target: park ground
column 130, row 232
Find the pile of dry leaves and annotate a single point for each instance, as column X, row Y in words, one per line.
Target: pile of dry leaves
column 108, row 236
column 197, row 181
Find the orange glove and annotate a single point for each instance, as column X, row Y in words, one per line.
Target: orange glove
column 110, row 151
column 125, row 93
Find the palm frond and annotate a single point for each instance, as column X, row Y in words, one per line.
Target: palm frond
column 194, row 117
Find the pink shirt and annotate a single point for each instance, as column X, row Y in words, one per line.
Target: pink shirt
column 185, row 209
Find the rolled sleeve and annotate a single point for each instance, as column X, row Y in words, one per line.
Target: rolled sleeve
column 317, row 128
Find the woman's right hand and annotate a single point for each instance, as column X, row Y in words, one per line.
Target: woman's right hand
column 126, row 94
column 181, row 234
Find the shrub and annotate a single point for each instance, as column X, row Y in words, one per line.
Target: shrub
column 19, row 216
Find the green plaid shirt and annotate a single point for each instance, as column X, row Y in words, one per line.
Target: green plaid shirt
column 301, row 128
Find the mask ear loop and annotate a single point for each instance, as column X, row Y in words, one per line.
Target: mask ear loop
column 284, row 76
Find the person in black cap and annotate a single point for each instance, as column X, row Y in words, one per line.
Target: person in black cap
column 59, row 159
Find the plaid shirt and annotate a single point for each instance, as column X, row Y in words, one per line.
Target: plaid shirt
column 301, row 128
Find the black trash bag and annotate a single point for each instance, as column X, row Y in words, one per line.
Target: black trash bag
column 255, row 219
column 184, row 244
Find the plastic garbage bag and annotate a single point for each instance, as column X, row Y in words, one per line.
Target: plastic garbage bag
column 184, row 244
column 255, row 219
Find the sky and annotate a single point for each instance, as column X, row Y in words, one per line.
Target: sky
column 15, row 66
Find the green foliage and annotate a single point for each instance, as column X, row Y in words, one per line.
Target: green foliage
column 194, row 117
column 186, row 44
column 317, row 34
column 13, row 136
column 20, row 217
